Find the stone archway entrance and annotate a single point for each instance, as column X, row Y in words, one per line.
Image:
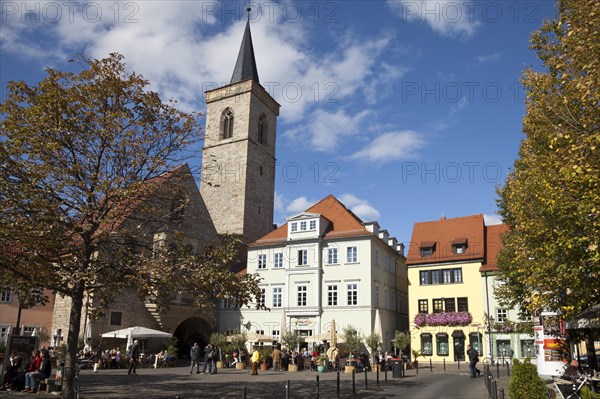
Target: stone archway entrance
column 194, row 329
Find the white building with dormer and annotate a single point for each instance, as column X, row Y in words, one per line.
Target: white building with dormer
column 325, row 264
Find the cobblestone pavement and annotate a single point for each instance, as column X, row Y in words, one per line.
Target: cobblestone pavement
column 177, row 383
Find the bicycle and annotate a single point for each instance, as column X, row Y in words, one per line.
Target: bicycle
column 76, row 387
column 578, row 384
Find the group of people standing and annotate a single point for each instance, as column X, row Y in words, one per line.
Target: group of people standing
column 25, row 377
column 210, row 355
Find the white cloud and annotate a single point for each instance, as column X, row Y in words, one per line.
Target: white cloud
column 391, row 147
column 298, row 205
column 447, row 17
column 360, row 207
column 175, row 45
column 488, row 58
column 491, row 220
column 326, row 130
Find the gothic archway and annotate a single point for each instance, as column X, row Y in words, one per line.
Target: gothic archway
column 194, row 329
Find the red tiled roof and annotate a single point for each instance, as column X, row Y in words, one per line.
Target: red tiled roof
column 493, row 245
column 343, row 222
column 443, row 233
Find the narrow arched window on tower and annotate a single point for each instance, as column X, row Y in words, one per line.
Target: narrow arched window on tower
column 262, row 129
column 227, row 124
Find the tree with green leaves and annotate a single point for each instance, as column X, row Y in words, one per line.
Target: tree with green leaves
column 401, row 341
column 90, row 170
column 373, row 342
column 291, row 339
column 352, row 339
column 551, row 200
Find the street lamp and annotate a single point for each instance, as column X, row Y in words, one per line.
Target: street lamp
column 489, row 321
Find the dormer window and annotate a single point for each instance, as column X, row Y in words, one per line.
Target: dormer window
column 459, row 246
column 294, row 227
column 313, row 225
column 303, row 226
column 427, row 248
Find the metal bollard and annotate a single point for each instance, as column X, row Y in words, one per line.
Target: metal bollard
column 385, row 373
column 317, row 382
column 338, row 383
column 378, row 367
column 430, row 365
column 444, row 364
column 287, row 389
column 497, row 370
column 354, row 381
column 507, row 369
column 494, row 390
column 501, row 393
column 403, row 370
column 366, row 376
column 458, row 361
column 243, row 392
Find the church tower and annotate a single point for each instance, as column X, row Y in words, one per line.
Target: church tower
column 238, row 158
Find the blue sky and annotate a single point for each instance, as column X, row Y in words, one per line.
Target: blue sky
column 404, row 110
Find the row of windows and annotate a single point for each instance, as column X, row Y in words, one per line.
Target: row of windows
column 429, row 250
column 333, row 298
column 227, row 120
column 302, row 260
column 440, row 305
column 441, row 276
column 304, row 225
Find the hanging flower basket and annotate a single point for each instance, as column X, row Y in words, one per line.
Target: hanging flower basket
column 450, row 319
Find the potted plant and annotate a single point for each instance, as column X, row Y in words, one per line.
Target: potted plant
column 239, row 342
column 219, row 341
column 416, row 355
column 373, row 341
column 291, row 340
column 320, row 362
column 352, row 343
column 265, row 355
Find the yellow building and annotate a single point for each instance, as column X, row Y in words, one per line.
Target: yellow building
column 445, row 262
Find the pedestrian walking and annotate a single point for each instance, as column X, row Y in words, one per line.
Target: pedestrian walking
column 195, row 358
column 473, row 359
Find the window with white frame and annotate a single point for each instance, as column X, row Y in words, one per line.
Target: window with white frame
column 352, row 254
column 302, row 291
column 352, row 297
column 5, row 295
column 501, row 315
column 28, row 330
column 294, row 227
column 386, row 297
column 277, row 296
column 313, row 225
column 276, row 334
column 263, row 293
column 332, row 295
column 3, row 333
column 262, row 261
column 278, row 260
column 332, row 256
column 303, row 225
column 302, row 257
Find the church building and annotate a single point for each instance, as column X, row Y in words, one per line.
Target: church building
column 236, row 196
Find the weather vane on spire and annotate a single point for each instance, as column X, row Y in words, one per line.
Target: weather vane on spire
column 248, row 9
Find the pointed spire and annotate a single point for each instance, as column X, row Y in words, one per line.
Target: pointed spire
column 245, row 66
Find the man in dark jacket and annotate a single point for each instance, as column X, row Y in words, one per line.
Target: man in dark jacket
column 195, row 358
column 473, row 359
column 134, row 354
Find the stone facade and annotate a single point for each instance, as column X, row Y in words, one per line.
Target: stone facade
column 238, row 173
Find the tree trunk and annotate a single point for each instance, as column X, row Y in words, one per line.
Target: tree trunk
column 73, row 341
column 591, row 350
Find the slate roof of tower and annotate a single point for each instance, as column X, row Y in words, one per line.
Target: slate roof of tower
column 245, row 66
